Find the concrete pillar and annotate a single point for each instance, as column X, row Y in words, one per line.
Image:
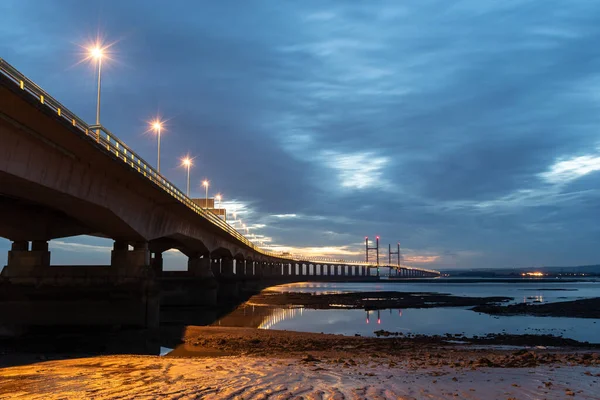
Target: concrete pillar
column 156, row 262
column 200, row 266
column 215, row 266
column 199, row 288
column 227, row 267
column 258, row 268
column 26, row 263
column 130, row 262
column 240, row 267
column 266, row 269
column 272, row 269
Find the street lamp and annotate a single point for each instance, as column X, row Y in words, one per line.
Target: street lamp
column 218, row 198
column 206, row 183
column 187, row 162
column 157, row 126
column 96, row 53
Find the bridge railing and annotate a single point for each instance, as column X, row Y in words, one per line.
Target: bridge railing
column 111, row 144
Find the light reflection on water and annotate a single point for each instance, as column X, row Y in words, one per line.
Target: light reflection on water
column 430, row 321
column 437, row 321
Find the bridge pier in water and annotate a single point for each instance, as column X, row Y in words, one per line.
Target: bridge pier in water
column 34, row 293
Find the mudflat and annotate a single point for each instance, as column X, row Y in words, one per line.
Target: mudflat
column 246, row 363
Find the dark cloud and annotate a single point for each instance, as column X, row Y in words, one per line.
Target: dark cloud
column 435, row 123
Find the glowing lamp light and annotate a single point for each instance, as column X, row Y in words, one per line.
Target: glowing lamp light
column 205, row 183
column 96, row 52
column 187, row 162
column 157, row 125
column 218, row 197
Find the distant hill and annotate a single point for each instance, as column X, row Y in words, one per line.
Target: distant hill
column 503, row 272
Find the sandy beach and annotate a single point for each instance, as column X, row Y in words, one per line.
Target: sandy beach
column 243, row 363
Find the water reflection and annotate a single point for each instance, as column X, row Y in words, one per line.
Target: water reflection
column 432, row 321
column 261, row 317
column 280, row 316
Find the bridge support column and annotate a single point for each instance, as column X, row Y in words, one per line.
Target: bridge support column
column 215, row 266
column 227, row 268
column 130, row 262
column 59, row 296
column 266, row 269
column 229, row 287
column 258, row 269
column 198, row 288
column 156, row 262
column 240, row 268
column 200, row 266
column 278, row 269
column 286, row 269
column 25, row 263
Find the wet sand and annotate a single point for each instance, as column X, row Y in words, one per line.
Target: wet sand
column 244, row 363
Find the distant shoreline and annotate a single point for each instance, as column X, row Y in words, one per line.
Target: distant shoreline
column 491, row 280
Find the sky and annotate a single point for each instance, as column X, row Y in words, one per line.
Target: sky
column 468, row 131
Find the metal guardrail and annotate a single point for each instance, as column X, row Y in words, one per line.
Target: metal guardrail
column 109, row 143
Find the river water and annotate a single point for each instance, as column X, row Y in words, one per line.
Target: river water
column 452, row 320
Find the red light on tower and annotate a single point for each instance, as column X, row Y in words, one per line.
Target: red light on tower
column 377, row 237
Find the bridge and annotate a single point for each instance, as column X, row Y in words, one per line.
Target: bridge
column 60, row 177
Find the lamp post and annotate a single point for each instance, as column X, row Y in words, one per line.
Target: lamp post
column 96, row 53
column 377, row 247
column 157, row 127
column 206, row 183
column 218, row 198
column 187, row 162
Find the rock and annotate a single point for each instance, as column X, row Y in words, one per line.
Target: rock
column 309, row 358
